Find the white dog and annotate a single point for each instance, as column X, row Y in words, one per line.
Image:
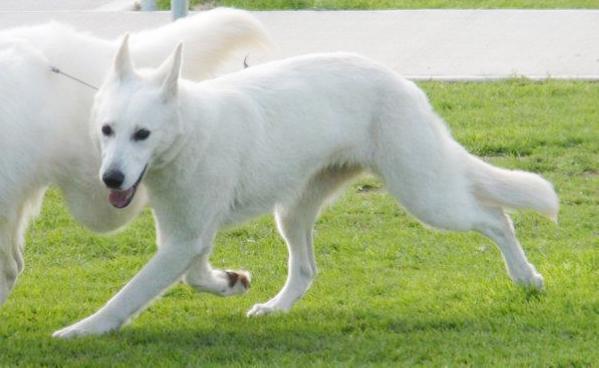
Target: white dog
column 284, row 136
column 45, row 136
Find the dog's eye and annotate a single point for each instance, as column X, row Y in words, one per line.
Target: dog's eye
column 141, row 134
column 107, row 130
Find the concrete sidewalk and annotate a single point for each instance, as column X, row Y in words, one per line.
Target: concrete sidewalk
column 64, row 5
column 419, row 44
column 451, row 44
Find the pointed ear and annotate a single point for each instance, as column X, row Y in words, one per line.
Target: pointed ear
column 123, row 66
column 169, row 73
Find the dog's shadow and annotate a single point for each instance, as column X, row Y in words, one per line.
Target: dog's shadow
column 306, row 334
column 261, row 340
column 360, row 334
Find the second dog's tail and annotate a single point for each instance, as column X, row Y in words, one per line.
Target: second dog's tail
column 513, row 188
column 209, row 39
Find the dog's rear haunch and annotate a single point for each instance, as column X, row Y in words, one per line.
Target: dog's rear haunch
column 285, row 136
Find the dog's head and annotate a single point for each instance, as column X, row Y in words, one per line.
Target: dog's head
column 135, row 120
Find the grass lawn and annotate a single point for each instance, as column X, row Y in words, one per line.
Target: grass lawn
column 393, row 4
column 390, row 292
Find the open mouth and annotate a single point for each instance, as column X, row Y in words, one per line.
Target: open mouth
column 122, row 198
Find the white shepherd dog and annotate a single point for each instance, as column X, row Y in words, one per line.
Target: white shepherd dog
column 284, row 136
column 44, row 116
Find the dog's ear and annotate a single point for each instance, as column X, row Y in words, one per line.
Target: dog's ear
column 168, row 73
column 123, row 66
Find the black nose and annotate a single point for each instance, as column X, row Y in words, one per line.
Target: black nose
column 113, row 179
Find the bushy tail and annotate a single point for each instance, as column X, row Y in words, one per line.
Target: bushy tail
column 209, row 39
column 514, row 189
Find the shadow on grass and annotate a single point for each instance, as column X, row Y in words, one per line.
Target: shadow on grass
column 293, row 339
column 358, row 336
column 377, row 331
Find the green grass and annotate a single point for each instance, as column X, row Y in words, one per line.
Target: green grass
column 390, row 292
column 393, row 4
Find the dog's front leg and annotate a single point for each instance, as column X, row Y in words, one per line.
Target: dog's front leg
column 164, row 269
column 11, row 252
column 11, row 260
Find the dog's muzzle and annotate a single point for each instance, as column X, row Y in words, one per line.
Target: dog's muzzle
column 122, row 198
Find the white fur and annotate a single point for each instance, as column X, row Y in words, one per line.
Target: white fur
column 45, row 136
column 284, row 136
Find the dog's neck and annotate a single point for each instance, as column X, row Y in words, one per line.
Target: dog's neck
column 187, row 148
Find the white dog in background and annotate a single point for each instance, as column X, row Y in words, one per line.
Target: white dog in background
column 44, row 116
column 284, row 136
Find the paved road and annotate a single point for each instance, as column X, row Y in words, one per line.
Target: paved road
column 420, row 44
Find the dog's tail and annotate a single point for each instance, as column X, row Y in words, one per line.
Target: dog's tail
column 513, row 188
column 209, row 39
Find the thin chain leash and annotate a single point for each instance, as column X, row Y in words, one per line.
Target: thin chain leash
column 54, row 69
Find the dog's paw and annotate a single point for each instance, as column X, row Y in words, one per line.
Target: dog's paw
column 221, row 283
column 239, row 282
column 89, row 326
column 531, row 279
column 266, row 308
column 538, row 281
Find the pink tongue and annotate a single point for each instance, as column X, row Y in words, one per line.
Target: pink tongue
column 120, row 199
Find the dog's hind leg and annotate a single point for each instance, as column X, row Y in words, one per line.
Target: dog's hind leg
column 202, row 277
column 448, row 203
column 295, row 223
column 498, row 227
column 489, row 221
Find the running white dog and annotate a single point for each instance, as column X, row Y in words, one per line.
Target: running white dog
column 45, row 136
column 284, row 136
